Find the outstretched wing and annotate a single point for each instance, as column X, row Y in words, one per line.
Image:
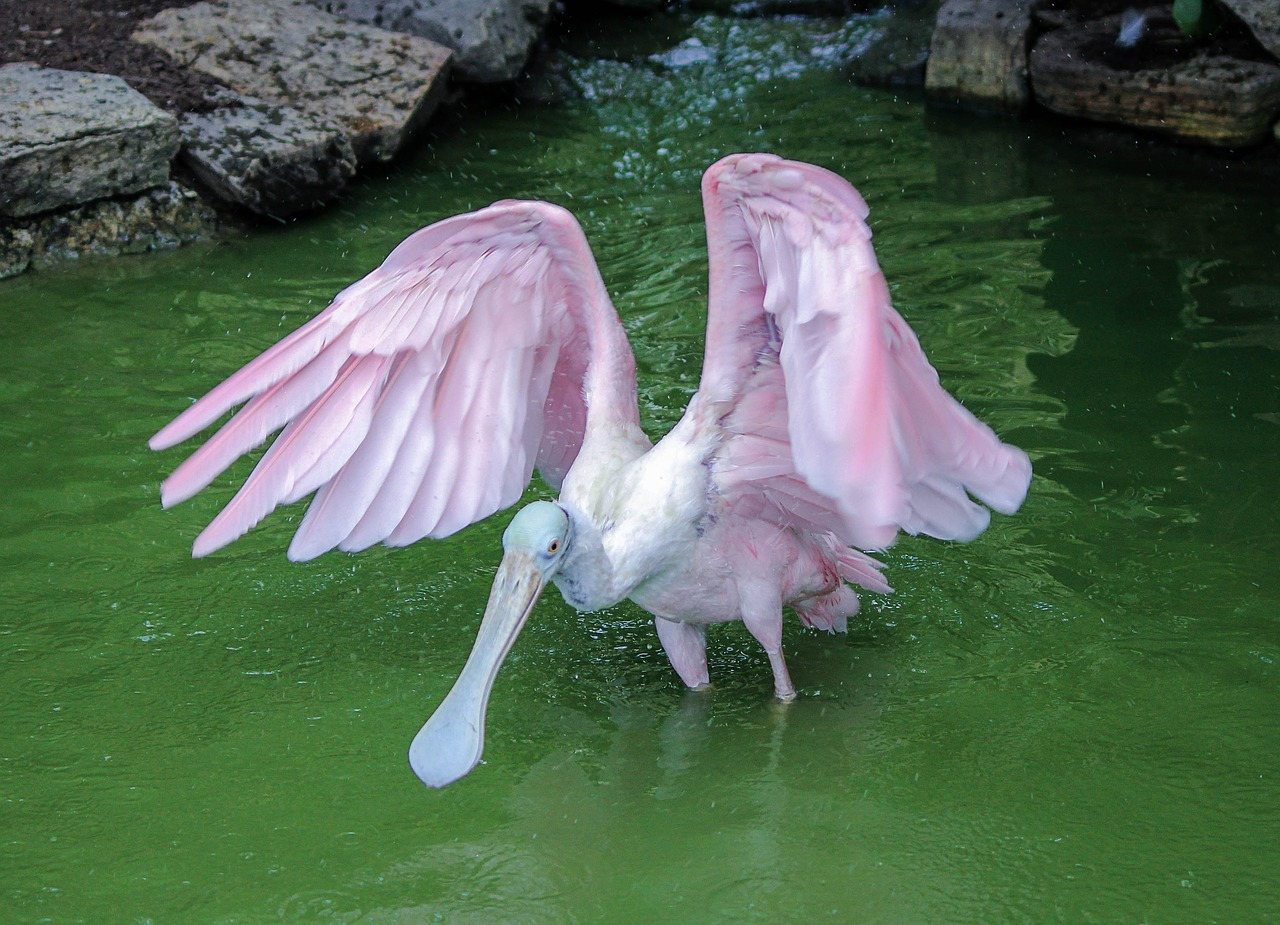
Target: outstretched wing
column 836, row 420
column 422, row 398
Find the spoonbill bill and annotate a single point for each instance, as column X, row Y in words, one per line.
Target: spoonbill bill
column 485, row 346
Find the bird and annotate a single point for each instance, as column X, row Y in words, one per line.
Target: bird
column 485, row 346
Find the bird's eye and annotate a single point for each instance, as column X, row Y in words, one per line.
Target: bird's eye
column 554, row 547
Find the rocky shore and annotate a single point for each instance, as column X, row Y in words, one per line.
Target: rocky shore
column 1123, row 62
column 133, row 125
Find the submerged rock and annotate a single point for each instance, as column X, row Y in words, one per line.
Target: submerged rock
column 68, row 137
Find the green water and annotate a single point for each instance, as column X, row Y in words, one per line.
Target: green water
column 1074, row 719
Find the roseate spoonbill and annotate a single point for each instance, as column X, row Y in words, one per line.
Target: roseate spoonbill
column 422, row 399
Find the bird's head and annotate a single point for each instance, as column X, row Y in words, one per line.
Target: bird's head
column 541, row 531
column 533, row 548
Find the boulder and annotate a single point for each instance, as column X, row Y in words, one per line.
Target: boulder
column 772, row 7
column 1262, row 18
column 159, row 219
column 491, row 39
column 379, row 85
column 1201, row 96
column 898, row 53
column 978, row 55
column 68, row 137
column 268, row 158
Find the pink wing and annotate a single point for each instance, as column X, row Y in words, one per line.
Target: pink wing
column 837, row 420
column 422, row 398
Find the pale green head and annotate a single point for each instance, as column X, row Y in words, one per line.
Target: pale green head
column 542, row 530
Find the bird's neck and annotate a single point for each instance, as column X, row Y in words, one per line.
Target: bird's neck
column 635, row 509
column 588, row 578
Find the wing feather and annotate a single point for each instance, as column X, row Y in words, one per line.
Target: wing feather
column 308, row 451
column 341, row 502
column 801, row 330
column 403, row 479
column 419, row 400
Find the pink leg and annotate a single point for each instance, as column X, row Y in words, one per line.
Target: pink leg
column 686, row 645
column 762, row 613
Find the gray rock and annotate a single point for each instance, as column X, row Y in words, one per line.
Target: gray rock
column 266, row 157
column 491, row 39
column 379, row 85
column 978, row 56
column 1263, row 19
column 1207, row 98
column 68, row 137
column 159, row 219
column 772, row 7
column 897, row 56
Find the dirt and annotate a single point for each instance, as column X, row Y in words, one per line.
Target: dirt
column 93, row 35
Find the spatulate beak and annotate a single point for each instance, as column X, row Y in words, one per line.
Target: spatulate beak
column 449, row 745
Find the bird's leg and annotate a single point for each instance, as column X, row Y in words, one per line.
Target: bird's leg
column 686, row 646
column 783, row 689
column 762, row 613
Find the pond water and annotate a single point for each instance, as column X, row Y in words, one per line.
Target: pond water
column 1074, row 719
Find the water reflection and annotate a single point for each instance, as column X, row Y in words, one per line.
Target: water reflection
column 587, row 827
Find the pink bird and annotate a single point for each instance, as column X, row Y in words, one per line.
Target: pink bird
column 423, row 398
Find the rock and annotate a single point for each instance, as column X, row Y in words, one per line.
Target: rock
column 898, row 56
column 773, row 7
column 1263, row 19
column 68, row 137
column 379, row 85
column 491, row 39
column 266, row 157
column 1204, row 97
column 159, row 219
column 978, row 56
